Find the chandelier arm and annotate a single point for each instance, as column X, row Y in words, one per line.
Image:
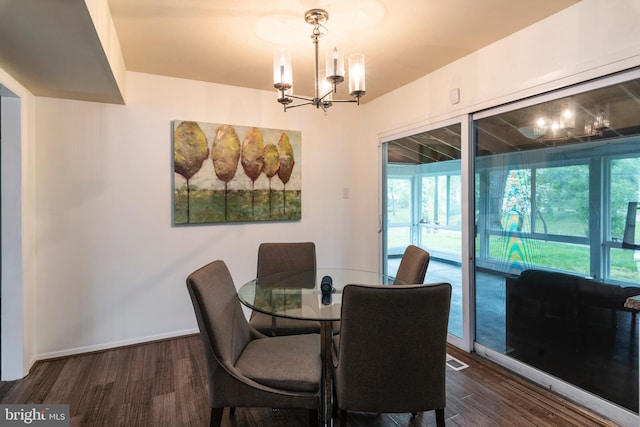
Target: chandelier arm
column 346, row 100
column 297, row 105
column 325, row 95
column 304, row 98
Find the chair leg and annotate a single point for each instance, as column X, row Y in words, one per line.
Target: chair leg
column 232, row 411
column 334, row 400
column 343, row 418
column 313, row 418
column 440, row 417
column 216, row 417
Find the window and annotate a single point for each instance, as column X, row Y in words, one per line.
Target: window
column 441, row 219
column 399, row 215
column 624, row 188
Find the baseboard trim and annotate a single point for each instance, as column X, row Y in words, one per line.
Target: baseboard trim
column 114, row 344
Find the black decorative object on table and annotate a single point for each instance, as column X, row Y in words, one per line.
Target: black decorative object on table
column 326, row 287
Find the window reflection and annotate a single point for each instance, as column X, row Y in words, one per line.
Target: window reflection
column 553, row 183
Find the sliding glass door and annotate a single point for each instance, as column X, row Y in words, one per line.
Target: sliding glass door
column 531, row 210
column 557, row 183
column 423, row 206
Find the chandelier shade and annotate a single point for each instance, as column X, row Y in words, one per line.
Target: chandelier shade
column 356, row 75
column 282, row 71
column 326, row 80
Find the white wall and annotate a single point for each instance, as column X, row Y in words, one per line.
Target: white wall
column 12, row 295
column 18, row 228
column 587, row 40
column 110, row 266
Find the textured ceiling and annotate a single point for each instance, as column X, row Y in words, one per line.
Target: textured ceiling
column 51, row 47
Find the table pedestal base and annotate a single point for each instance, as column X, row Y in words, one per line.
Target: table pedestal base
column 326, row 337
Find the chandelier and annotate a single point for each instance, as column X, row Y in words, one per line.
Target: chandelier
column 326, row 86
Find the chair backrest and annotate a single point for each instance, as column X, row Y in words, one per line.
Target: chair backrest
column 392, row 351
column 286, row 257
column 223, row 327
column 413, row 266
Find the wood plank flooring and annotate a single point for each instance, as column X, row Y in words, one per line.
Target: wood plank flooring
column 164, row 383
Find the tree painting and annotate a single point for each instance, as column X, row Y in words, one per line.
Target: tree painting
column 253, row 159
column 228, row 173
column 190, row 151
column 225, row 154
column 271, row 166
column 286, row 164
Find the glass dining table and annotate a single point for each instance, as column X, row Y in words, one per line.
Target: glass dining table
column 309, row 295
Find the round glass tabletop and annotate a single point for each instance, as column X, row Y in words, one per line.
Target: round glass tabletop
column 299, row 295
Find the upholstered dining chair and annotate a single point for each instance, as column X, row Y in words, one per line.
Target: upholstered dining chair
column 412, row 269
column 244, row 367
column 413, row 265
column 390, row 355
column 293, row 257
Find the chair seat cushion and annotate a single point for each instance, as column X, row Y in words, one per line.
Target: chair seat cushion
column 283, row 362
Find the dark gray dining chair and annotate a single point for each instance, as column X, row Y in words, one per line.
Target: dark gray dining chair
column 244, row 367
column 412, row 270
column 290, row 257
column 391, row 353
column 413, row 266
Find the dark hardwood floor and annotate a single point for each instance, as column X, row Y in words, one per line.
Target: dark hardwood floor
column 164, row 384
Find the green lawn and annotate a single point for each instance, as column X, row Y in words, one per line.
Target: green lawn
column 563, row 256
column 527, row 252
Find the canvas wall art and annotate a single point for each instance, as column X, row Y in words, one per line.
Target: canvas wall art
column 227, row 173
